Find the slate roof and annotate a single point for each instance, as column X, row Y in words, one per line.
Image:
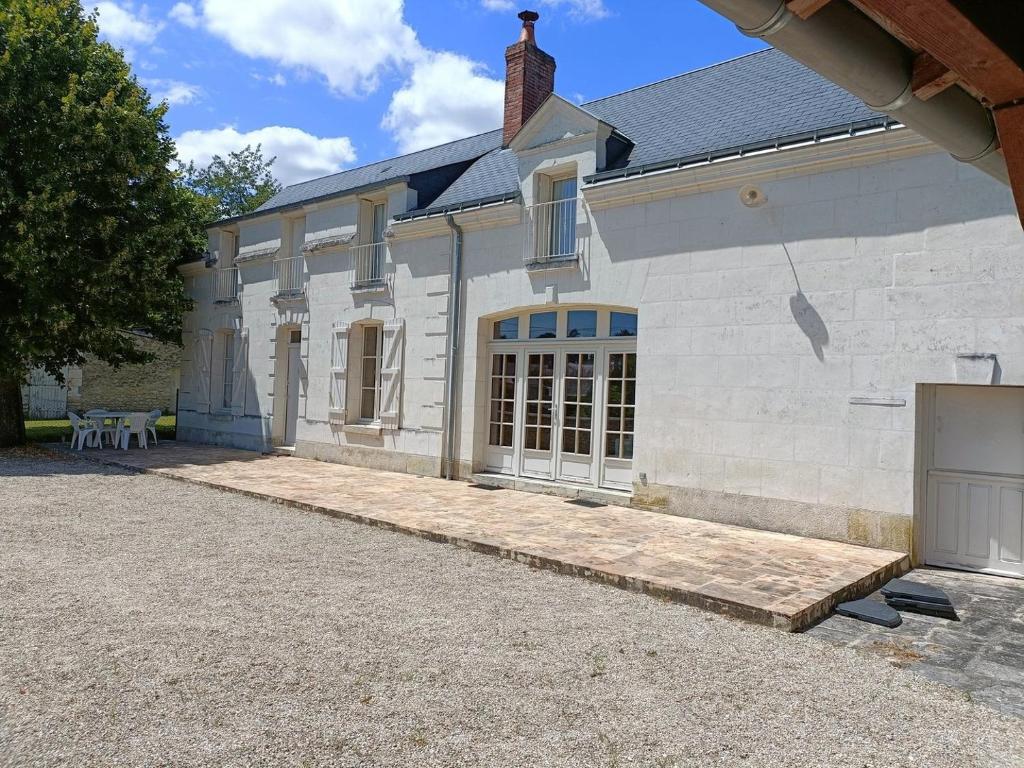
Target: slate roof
column 461, row 150
column 759, row 97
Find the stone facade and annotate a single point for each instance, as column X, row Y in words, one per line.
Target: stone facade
column 781, row 349
column 130, row 387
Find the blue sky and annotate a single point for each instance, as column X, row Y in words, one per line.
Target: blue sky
column 329, row 84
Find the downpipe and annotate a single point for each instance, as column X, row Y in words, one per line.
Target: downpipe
column 845, row 46
column 455, row 320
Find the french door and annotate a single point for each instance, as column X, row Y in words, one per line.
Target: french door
column 563, row 413
column 538, row 452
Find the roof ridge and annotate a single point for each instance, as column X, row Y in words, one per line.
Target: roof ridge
column 676, row 77
column 393, row 158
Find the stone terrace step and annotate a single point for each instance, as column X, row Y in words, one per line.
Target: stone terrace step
column 775, row 579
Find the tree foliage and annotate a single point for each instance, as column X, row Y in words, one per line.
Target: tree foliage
column 93, row 218
column 237, row 184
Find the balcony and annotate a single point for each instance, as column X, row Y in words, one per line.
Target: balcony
column 225, row 285
column 551, row 237
column 290, row 275
column 368, row 266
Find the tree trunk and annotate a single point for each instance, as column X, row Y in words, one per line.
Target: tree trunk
column 12, row 420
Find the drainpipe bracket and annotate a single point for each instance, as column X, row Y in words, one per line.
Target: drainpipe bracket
column 775, row 22
column 992, row 147
column 899, row 102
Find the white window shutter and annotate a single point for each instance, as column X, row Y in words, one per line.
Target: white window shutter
column 240, row 374
column 391, row 374
column 201, row 362
column 339, row 372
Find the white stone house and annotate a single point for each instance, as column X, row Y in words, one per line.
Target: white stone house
column 737, row 294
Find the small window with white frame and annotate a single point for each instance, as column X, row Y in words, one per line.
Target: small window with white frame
column 227, row 367
column 369, row 340
column 554, row 218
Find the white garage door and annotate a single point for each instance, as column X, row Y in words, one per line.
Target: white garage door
column 975, row 505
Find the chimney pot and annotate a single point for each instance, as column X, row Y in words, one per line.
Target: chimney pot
column 529, row 77
column 528, row 18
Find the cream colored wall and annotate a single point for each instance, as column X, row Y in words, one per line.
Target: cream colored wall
column 757, row 326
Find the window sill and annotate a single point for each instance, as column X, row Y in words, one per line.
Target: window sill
column 297, row 296
column 369, row 286
column 552, row 262
column 372, row 430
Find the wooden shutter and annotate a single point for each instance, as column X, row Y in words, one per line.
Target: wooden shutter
column 201, row 362
column 391, row 374
column 339, row 373
column 240, row 373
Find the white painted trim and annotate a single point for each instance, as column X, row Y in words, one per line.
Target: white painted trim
column 844, row 152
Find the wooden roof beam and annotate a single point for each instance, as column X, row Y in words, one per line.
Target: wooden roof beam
column 806, row 8
column 939, row 27
column 931, row 77
column 1010, row 124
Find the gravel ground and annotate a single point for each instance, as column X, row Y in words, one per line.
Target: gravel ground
column 144, row 621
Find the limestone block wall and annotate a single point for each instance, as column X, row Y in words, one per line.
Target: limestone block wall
column 764, row 330
column 142, row 387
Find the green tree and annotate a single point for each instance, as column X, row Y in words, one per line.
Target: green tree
column 238, row 184
column 93, row 220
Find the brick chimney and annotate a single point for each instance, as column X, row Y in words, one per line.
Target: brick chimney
column 529, row 78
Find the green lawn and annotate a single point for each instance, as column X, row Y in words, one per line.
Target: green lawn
column 53, row 430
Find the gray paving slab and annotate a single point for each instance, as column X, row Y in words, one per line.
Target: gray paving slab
column 981, row 654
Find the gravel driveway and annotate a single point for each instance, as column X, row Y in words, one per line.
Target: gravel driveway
column 144, row 621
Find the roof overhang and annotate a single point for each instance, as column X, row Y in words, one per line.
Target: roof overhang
column 952, row 70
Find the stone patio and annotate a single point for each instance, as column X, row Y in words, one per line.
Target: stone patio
column 769, row 578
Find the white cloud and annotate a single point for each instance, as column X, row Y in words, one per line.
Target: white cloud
column 174, row 92
column 300, row 155
column 586, row 10
column 123, row 26
column 275, row 79
column 184, row 14
column 446, row 97
column 352, row 44
column 349, row 42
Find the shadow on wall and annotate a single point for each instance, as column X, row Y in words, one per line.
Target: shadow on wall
column 810, row 322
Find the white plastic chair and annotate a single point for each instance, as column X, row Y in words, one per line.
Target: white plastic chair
column 84, row 430
column 151, row 424
column 136, row 425
column 99, row 417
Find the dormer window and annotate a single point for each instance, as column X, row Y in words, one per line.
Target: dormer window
column 562, row 231
column 369, row 256
column 551, row 236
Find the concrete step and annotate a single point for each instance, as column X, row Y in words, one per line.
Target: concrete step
column 564, row 490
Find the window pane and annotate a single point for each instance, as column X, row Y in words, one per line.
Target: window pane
column 545, row 438
column 507, row 328
column 563, row 189
column 370, row 341
column 612, row 448
column 369, row 372
column 506, row 436
column 568, row 441
column 584, row 448
column 582, row 323
column 615, row 365
column 495, row 436
column 366, row 405
column 623, row 324
column 543, row 325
